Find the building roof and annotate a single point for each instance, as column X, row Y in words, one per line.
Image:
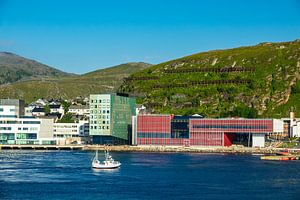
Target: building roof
column 54, row 106
column 38, row 110
column 79, row 107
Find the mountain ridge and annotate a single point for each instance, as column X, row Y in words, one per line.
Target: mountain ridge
column 248, row 81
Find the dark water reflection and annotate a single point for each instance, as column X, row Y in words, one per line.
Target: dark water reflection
column 68, row 175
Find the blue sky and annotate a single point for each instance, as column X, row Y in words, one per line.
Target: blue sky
column 81, row 35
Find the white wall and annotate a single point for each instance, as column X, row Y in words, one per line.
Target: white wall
column 277, row 126
column 258, row 140
column 9, row 110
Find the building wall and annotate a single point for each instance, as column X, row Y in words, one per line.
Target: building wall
column 122, row 110
column 25, row 130
column 18, row 106
column 278, row 126
column 9, row 111
column 157, row 130
column 79, row 111
column 258, row 140
column 110, row 115
column 100, row 114
column 68, row 130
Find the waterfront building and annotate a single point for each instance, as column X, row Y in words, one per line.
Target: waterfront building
column 70, row 133
column 110, row 118
column 197, row 131
column 26, row 131
column 15, row 128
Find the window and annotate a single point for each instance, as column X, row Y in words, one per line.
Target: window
column 31, row 122
column 103, row 122
column 1, row 109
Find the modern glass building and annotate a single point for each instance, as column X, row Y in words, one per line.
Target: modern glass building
column 110, row 118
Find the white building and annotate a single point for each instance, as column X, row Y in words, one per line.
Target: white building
column 66, row 133
column 11, row 108
column 26, row 131
column 38, row 112
column 81, row 110
column 54, row 108
column 17, row 129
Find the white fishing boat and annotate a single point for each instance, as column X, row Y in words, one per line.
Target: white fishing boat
column 108, row 163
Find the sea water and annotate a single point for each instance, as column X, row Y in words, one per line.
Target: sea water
column 45, row 175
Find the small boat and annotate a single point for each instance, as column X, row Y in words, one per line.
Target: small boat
column 282, row 158
column 108, row 163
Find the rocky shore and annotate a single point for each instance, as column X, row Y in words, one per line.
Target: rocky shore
column 229, row 150
column 235, row 149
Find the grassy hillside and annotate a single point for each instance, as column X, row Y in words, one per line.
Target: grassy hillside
column 255, row 81
column 104, row 80
column 15, row 68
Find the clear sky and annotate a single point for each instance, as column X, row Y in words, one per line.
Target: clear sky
column 81, row 35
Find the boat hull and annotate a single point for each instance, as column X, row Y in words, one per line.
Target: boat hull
column 106, row 166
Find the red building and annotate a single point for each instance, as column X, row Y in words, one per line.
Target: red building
column 195, row 131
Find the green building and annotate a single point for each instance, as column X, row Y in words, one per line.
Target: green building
column 110, row 118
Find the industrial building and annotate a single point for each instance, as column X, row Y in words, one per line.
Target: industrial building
column 110, row 118
column 196, row 131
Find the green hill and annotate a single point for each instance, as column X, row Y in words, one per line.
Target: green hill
column 16, row 68
column 255, row 81
column 104, row 80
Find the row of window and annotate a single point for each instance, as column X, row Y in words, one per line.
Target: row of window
column 26, row 128
column 19, row 122
column 98, row 122
column 100, row 101
column 10, row 110
column 209, row 126
column 100, row 117
column 19, row 136
column 8, row 116
column 27, row 136
column 100, row 111
column 154, row 135
column 100, row 127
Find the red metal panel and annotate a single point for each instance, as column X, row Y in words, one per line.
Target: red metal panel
column 232, row 125
column 154, row 123
column 207, row 139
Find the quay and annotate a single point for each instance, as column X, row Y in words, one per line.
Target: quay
column 41, row 147
column 155, row 149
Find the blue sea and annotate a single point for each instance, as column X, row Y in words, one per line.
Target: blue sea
column 45, row 175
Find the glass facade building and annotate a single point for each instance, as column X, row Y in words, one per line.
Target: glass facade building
column 110, row 118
